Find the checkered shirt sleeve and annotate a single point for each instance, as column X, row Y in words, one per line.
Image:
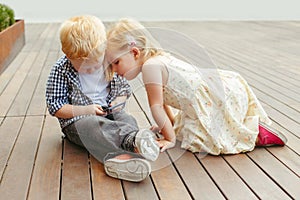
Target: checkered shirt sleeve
column 119, row 86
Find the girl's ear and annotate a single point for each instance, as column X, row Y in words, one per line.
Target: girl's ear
column 136, row 52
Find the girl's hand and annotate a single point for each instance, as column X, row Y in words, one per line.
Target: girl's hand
column 165, row 144
column 155, row 129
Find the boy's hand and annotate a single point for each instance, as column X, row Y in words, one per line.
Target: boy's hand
column 96, row 109
column 68, row 111
column 165, row 144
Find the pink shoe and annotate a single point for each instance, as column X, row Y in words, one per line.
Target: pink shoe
column 267, row 136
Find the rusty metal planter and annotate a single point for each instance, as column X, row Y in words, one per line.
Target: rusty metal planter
column 12, row 41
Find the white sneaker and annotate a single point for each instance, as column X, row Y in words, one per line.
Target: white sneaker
column 146, row 144
column 133, row 169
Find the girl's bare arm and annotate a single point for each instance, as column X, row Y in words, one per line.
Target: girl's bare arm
column 153, row 80
column 169, row 113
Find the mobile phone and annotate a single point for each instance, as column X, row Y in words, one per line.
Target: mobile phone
column 114, row 108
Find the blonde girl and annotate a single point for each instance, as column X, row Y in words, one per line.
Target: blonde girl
column 219, row 113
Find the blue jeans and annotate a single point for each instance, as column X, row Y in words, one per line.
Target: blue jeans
column 101, row 136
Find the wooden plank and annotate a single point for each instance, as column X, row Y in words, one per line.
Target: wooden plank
column 246, row 41
column 175, row 189
column 290, row 153
column 240, row 54
column 249, row 51
column 259, row 81
column 200, row 185
column 287, row 126
column 134, row 109
column 291, row 74
column 37, row 104
column 279, row 121
column 33, row 33
column 139, row 93
column 239, row 44
column 50, row 36
column 75, row 175
column 279, row 172
column 255, row 178
column 56, row 41
column 43, row 42
column 21, row 105
column 276, row 85
column 138, row 190
column 104, row 187
column 166, row 180
column 12, row 89
column 142, row 190
column 16, row 178
column 20, row 74
column 293, row 141
column 248, row 45
column 45, row 182
column 282, row 107
column 227, row 180
column 296, row 141
column 9, row 131
column 242, row 184
column 9, row 72
column 288, row 157
column 274, row 91
column 261, row 62
column 22, row 100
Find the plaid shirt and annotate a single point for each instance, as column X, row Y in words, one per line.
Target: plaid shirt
column 63, row 87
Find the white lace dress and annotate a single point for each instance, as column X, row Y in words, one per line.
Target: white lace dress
column 219, row 113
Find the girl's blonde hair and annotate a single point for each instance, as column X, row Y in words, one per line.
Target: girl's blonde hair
column 128, row 32
column 83, row 37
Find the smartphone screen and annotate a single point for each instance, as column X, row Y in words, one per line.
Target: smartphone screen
column 115, row 108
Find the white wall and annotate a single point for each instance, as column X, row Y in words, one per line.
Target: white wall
column 107, row 10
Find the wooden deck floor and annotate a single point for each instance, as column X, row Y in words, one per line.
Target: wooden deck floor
column 35, row 163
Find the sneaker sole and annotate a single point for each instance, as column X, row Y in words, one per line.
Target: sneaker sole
column 147, row 145
column 134, row 169
column 276, row 132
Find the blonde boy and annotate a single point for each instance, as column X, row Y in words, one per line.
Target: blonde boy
column 79, row 87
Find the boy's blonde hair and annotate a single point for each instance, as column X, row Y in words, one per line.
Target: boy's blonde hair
column 83, row 37
column 127, row 32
